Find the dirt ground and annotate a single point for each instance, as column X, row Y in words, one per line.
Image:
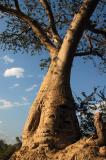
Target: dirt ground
column 81, row 150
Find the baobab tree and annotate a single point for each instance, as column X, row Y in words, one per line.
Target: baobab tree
column 64, row 29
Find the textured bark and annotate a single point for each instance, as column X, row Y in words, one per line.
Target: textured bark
column 52, row 115
column 99, row 128
column 52, row 123
column 100, row 136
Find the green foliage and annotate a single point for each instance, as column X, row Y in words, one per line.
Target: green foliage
column 6, row 150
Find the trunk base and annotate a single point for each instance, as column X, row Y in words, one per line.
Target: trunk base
column 93, row 148
column 77, row 151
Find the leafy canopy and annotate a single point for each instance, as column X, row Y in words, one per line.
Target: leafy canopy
column 52, row 19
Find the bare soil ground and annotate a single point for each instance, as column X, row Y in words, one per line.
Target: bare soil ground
column 81, row 150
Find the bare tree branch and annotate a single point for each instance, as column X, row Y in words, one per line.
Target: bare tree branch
column 90, row 45
column 88, row 53
column 36, row 28
column 76, row 29
column 17, row 5
column 92, row 28
column 48, row 10
column 89, row 97
column 97, row 40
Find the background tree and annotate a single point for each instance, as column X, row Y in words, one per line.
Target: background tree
column 6, row 150
column 58, row 27
column 86, row 107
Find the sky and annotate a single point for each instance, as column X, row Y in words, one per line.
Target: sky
column 20, row 78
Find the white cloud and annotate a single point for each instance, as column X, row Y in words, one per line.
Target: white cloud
column 1, row 122
column 31, row 88
column 15, row 85
column 25, row 99
column 6, row 104
column 14, row 72
column 7, row 59
column 20, row 104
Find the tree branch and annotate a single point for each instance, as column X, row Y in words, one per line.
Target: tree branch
column 92, row 28
column 17, row 5
column 88, row 53
column 36, row 28
column 86, row 101
column 97, row 40
column 76, row 29
column 48, row 10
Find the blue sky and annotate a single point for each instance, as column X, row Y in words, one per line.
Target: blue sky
column 20, row 78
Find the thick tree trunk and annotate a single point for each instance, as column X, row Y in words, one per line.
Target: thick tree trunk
column 52, row 119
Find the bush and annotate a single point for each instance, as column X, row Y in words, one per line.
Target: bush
column 6, row 150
